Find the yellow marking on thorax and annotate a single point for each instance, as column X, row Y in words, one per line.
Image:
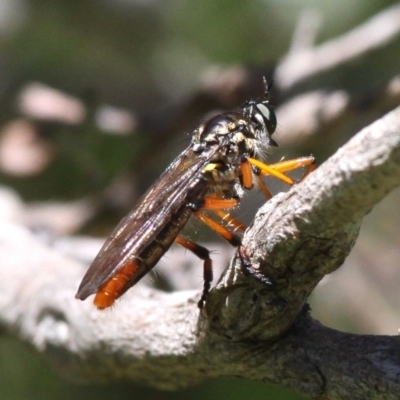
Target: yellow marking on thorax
column 211, row 167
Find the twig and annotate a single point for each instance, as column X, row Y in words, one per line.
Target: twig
column 375, row 33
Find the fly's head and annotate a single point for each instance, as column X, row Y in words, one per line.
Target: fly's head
column 263, row 118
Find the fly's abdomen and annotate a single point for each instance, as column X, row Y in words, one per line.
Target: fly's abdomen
column 117, row 285
column 139, row 265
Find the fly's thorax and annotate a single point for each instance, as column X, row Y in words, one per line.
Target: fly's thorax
column 233, row 134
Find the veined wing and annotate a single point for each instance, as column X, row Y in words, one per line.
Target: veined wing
column 153, row 211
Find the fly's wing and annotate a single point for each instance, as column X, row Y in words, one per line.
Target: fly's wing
column 151, row 214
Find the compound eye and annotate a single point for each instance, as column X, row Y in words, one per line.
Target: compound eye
column 268, row 116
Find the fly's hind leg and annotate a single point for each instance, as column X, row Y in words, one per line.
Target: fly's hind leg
column 216, row 205
column 233, row 239
column 204, row 255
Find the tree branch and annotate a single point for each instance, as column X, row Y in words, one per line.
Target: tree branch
column 251, row 331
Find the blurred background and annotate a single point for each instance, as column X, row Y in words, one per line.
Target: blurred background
column 98, row 96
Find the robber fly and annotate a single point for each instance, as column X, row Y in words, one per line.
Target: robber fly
column 209, row 176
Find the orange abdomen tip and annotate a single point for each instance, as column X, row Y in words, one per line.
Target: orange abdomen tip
column 115, row 286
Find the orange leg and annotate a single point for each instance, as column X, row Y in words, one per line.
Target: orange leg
column 279, row 168
column 229, row 220
column 247, row 178
column 218, row 228
column 204, row 255
column 289, row 165
column 269, row 170
column 263, row 188
column 247, row 174
column 216, row 203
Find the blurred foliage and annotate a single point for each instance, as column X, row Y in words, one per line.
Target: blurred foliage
column 141, row 56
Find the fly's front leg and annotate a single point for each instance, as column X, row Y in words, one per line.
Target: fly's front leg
column 290, row 165
column 250, row 166
column 246, row 178
column 278, row 169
